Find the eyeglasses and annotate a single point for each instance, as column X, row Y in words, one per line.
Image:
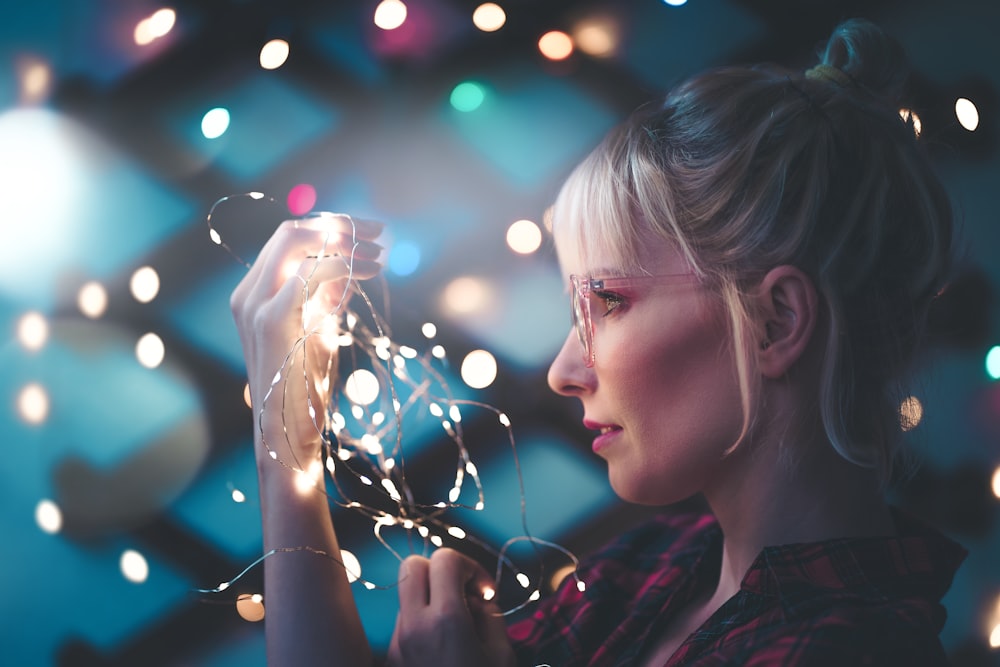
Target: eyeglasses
column 584, row 287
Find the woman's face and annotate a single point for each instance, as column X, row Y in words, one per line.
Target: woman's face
column 662, row 396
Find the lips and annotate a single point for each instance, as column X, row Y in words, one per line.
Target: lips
column 606, row 433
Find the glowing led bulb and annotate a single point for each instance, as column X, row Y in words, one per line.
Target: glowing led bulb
column 32, row 331
column 150, row 351
column 238, row 496
column 429, row 330
column 524, row 237
column 274, row 54
column 390, row 14
column 580, row 586
column 489, row 593
column 92, row 299
column 995, row 637
column 33, row 403
column 48, row 516
column 675, row 3
column 489, row 17
column 967, row 114
column 996, row 482
column 145, row 284
column 133, row 566
column 437, row 541
column 479, row 369
column 555, row 45
column 438, row 352
column 457, row 533
column 523, row 579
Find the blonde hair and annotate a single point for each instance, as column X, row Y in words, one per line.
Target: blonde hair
column 746, row 168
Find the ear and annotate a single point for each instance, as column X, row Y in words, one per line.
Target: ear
column 787, row 307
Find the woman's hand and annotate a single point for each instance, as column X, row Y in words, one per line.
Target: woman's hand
column 443, row 617
column 289, row 368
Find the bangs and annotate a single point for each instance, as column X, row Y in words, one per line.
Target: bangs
column 594, row 215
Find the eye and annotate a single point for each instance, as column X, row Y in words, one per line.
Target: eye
column 610, row 301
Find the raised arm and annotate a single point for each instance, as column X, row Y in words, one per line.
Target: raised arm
column 311, row 615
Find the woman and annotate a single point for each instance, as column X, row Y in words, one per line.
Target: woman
column 750, row 266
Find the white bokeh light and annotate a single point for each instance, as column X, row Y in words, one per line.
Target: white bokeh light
column 32, row 331
column 524, row 237
column 145, row 284
column 92, row 299
column 361, row 387
column 33, row 403
column 133, row 566
column 48, row 516
column 489, row 17
column 390, row 14
column 215, row 123
column 479, row 369
column 274, row 54
column 967, row 114
column 150, row 350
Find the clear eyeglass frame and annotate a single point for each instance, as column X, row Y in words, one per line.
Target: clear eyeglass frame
column 580, row 302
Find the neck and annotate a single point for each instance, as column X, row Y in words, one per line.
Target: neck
column 766, row 502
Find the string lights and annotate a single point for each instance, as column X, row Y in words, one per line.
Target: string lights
column 374, row 388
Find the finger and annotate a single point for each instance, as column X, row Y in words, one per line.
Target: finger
column 414, row 591
column 454, row 578
column 341, row 223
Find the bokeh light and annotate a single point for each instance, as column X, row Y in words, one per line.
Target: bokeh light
column 996, row 482
column 134, row 566
column 465, row 295
column 967, row 114
column 995, row 637
column 467, row 96
column 48, row 516
column 390, row 14
column 596, row 37
column 92, row 299
column 675, row 3
column 429, row 330
column 489, row 17
column 301, row 199
column 238, row 496
column 479, row 369
column 215, row 123
column 524, row 237
column 149, row 350
column 32, row 331
column 151, row 28
column 250, row 607
column 274, row 54
column 993, row 362
column 555, row 45
column 404, row 258
column 33, row 403
column 362, row 387
column 145, row 284
column 351, row 565
column 246, row 395
column 910, row 114
column 35, row 78
column 911, row 412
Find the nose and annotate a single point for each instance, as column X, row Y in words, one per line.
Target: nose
column 568, row 375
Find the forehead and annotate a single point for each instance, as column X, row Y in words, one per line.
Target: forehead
column 635, row 251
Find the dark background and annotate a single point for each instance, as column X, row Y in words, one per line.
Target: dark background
column 105, row 171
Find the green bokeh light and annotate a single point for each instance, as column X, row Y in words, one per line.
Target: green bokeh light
column 467, row 96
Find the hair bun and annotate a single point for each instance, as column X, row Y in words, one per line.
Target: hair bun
column 871, row 58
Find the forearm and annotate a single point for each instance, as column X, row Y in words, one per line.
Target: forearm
column 311, row 615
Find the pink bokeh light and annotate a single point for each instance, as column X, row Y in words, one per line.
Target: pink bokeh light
column 301, row 199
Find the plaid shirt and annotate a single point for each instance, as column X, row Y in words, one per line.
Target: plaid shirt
column 838, row 602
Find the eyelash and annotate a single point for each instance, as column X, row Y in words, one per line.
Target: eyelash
column 612, row 301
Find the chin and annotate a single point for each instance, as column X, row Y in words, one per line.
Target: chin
column 652, row 492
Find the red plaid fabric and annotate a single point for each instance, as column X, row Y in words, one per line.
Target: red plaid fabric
column 872, row 601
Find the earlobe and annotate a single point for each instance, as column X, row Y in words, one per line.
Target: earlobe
column 787, row 304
